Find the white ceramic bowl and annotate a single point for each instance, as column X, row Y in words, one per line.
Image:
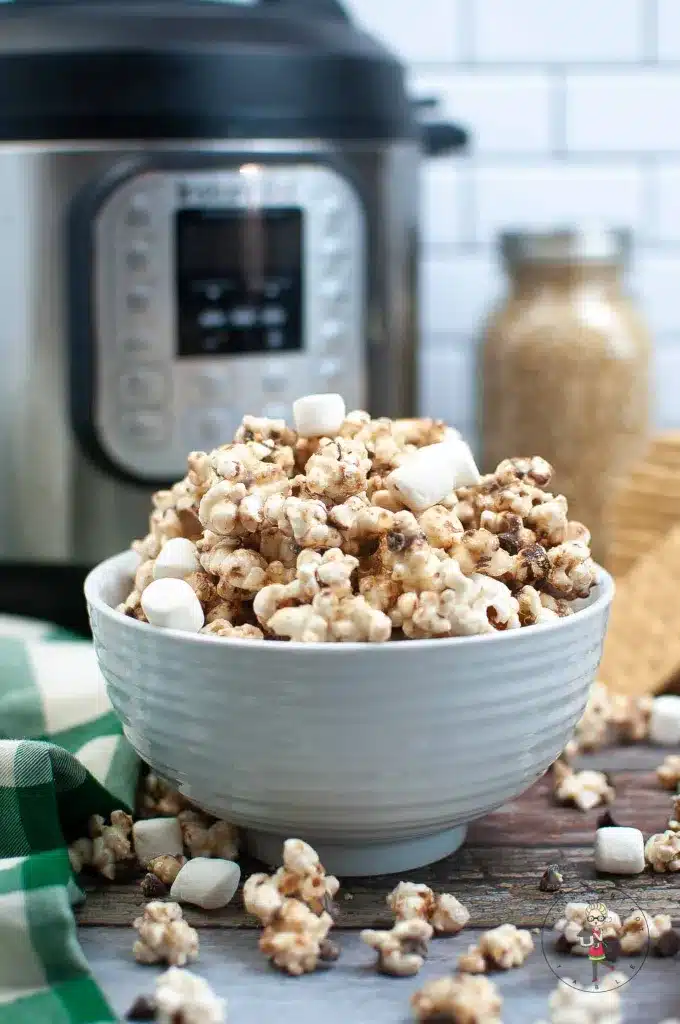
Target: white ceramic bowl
column 377, row 754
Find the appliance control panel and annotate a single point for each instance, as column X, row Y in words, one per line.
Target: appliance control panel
column 219, row 293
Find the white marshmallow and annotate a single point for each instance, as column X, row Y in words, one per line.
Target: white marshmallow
column 619, row 850
column 206, row 882
column 156, row 837
column 319, row 415
column 172, row 604
column 178, row 558
column 430, row 474
column 664, row 722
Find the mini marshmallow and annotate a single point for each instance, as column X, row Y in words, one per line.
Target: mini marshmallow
column 430, row 474
column 619, row 850
column 206, row 882
column 178, row 558
column 319, row 415
column 172, row 604
column 155, row 837
column 664, row 723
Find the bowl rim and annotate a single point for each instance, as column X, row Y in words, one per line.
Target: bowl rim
column 125, row 561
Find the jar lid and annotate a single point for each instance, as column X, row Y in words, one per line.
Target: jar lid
column 570, row 245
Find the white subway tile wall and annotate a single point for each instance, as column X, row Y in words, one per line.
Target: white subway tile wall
column 573, row 110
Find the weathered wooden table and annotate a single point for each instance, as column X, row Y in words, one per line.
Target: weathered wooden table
column 495, row 875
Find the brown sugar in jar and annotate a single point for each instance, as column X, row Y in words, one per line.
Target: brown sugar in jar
column 565, row 368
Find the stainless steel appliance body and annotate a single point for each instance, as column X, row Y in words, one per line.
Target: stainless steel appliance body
column 206, row 209
column 91, row 298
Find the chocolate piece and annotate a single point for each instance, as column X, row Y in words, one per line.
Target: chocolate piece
column 329, row 951
column 143, row 1008
column 551, row 879
column 667, row 944
column 606, row 821
column 152, row 887
column 562, row 945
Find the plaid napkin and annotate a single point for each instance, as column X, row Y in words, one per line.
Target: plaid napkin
column 62, row 758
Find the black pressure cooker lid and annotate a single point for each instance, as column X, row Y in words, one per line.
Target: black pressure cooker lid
column 170, row 69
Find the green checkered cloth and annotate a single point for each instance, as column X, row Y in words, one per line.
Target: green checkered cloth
column 62, row 758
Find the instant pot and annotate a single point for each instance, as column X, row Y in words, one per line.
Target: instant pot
column 206, row 209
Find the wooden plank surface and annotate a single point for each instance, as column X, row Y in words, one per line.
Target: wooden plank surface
column 496, row 873
column 351, row 992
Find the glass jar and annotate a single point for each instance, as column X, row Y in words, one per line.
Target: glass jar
column 565, row 368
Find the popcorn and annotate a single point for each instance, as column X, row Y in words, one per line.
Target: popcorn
column 503, row 947
column 159, row 798
column 80, row 854
column 630, row 716
column 164, row 936
column 295, row 937
column 461, row 999
column 206, row 882
column 319, row 415
column 402, row 950
column 110, row 843
column 619, row 851
column 414, row 900
column 662, row 851
column 153, row 837
column 177, row 558
column 641, row 929
column 480, row 554
column 574, row 921
column 205, row 839
column 165, row 868
column 591, row 1005
column 586, row 789
column 184, row 998
column 172, row 604
column 668, row 773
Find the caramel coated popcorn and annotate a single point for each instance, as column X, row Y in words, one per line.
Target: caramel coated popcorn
column 164, row 936
column 413, row 900
column 461, row 999
column 668, row 773
column 503, row 947
column 402, row 950
column 585, row 790
column 662, row 851
column 289, row 535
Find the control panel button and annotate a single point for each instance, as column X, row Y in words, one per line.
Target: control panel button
column 205, row 388
column 138, row 299
column 274, row 339
column 144, row 427
column 274, row 378
column 273, row 316
column 143, row 386
column 330, row 371
column 137, row 257
column 243, row 316
column 206, row 429
column 139, row 212
column 135, row 346
column 332, row 334
column 211, row 319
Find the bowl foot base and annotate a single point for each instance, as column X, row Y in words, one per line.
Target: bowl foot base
column 355, row 859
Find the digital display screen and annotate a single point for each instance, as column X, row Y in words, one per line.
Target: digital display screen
column 239, row 280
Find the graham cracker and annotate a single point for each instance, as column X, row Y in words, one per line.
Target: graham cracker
column 642, row 647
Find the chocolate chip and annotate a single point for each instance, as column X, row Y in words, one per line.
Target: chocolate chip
column 509, row 543
column 551, row 879
column 667, row 944
column 562, row 945
column 143, row 1008
column 152, row 887
column 606, row 821
column 396, row 541
column 612, row 948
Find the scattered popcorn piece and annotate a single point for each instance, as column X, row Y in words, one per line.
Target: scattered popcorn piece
column 110, row 843
column 202, row 839
column 319, row 415
column 165, row 868
column 641, row 929
column 80, row 854
column 503, row 947
column 409, row 900
column 630, row 716
column 401, row 951
column 172, row 604
column 586, row 789
column 551, row 879
column 261, row 897
column 153, row 837
column 574, row 921
column 164, row 936
column 295, row 938
column 178, row 558
column 428, row 475
column 664, row 722
column 184, row 998
column 619, row 851
column 592, row 731
column 674, row 822
column 569, row 1004
column 206, row 882
column 461, row 999
column 668, row 773
column 662, row 851
column 159, row 798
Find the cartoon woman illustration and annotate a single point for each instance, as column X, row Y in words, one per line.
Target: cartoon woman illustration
column 591, row 937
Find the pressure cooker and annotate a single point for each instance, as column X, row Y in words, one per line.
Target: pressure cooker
column 206, row 210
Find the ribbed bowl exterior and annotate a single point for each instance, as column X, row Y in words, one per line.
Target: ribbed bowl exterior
column 355, row 743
